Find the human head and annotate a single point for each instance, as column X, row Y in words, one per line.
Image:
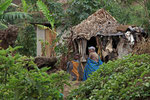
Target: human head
column 91, row 49
column 76, row 56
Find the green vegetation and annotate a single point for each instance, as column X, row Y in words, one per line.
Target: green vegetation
column 123, row 79
column 80, row 9
column 4, row 17
column 132, row 12
column 46, row 13
column 27, row 39
column 138, row 12
column 17, row 82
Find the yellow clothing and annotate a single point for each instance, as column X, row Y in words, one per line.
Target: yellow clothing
column 75, row 69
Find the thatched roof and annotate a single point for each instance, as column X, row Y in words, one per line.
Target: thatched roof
column 62, row 1
column 123, row 28
column 101, row 22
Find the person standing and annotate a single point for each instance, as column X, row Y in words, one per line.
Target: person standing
column 73, row 68
column 93, row 63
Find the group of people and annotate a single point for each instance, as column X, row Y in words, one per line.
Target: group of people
column 92, row 64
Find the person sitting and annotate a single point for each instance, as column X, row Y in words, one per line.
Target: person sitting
column 93, row 63
column 73, row 68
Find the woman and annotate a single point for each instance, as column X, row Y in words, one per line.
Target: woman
column 93, row 63
column 73, row 68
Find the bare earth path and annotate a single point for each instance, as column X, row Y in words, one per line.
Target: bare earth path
column 67, row 89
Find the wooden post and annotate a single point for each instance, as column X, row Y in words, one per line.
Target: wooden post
column 99, row 44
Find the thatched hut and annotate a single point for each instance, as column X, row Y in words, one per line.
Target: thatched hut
column 102, row 31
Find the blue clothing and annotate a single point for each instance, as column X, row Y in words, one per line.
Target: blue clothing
column 91, row 66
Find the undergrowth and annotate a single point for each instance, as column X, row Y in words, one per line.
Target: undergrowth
column 19, row 83
column 123, row 79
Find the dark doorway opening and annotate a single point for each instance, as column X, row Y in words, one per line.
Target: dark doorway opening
column 115, row 41
column 91, row 42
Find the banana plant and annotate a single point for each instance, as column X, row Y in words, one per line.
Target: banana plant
column 3, row 7
column 46, row 13
column 24, row 6
column 10, row 15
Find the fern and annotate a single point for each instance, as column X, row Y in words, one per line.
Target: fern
column 46, row 13
column 24, row 5
column 4, row 6
column 16, row 15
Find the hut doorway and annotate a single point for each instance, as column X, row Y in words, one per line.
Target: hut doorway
column 91, row 42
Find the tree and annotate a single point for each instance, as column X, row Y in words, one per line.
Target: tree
column 80, row 9
column 140, row 12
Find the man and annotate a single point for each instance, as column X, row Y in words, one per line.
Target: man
column 93, row 63
column 73, row 68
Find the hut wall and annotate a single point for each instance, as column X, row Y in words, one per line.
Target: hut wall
column 47, row 36
column 50, row 37
column 40, row 35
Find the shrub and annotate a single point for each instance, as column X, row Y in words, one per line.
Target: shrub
column 19, row 83
column 123, row 79
column 27, row 39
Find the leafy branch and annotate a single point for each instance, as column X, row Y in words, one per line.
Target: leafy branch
column 4, row 6
column 25, row 6
column 46, row 13
column 10, row 15
column 15, row 15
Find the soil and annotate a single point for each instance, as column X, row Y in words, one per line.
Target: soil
column 67, row 89
column 8, row 37
column 45, row 61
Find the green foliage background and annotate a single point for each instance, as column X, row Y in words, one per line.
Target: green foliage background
column 126, row 12
column 27, row 39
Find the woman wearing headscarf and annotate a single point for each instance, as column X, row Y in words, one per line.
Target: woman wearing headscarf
column 93, row 63
column 73, row 68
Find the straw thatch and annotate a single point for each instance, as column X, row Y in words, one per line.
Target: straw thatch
column 101, row 22
column 62, row 1
column 142, row 47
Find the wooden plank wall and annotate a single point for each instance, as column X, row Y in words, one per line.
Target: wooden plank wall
column 50, row 37
column 40, row 35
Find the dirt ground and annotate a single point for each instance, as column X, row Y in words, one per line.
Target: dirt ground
column 67, row 89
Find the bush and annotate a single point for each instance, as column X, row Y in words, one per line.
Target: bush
column 27, row 39
column 19, row 83
column 123, row 79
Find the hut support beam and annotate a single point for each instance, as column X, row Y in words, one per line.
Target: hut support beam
column 82, row 43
